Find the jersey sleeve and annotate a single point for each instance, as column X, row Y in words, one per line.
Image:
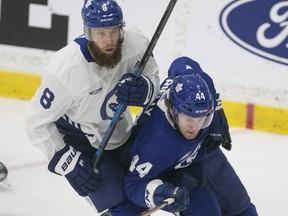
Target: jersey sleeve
column 147, row 164
column 49, row 103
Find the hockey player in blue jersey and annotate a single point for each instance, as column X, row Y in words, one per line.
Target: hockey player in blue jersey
column 176, row 154
column 78, row 96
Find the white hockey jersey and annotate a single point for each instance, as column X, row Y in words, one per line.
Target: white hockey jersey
column 76, row 90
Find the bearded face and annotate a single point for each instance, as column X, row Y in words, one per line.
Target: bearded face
column 106, row 59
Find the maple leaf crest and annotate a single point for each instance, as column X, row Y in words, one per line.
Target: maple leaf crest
column 179, row 87
column 113, row 106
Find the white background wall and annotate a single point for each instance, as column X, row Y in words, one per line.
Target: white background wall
column 193, row 29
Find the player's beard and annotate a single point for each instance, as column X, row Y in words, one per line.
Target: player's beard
column 103, row 59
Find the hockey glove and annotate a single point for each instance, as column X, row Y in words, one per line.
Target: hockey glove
column 76, row 168
column 167, row 190
column 219, row 132
column 134, row 93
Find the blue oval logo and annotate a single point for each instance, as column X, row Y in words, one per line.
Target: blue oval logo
column 258, row 26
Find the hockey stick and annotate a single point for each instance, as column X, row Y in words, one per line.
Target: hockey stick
column 166, row 202
column 138, row 71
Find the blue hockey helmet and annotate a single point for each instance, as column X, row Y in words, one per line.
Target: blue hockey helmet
column 190, row 94
column 183, row 66
column 101, row 14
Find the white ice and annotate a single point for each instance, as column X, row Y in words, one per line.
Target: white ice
column 259, row 158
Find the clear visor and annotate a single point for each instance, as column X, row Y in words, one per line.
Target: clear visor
column 186, row 121
column 209, row 118
column 112, row 33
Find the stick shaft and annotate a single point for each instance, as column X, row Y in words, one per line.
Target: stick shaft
column 156, row 208
column 138, row 71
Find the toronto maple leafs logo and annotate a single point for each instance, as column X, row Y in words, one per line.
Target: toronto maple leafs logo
column 109, row 106
column 179, row 87
column 113, row 106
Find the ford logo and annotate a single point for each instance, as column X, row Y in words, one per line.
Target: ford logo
column 259, row 26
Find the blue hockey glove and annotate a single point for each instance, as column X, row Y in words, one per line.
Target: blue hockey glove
column 167, row 190
column 76, row 168
column 219, row 132
column 134, row 93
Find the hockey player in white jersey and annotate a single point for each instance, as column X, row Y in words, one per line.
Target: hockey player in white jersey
column 80, row 90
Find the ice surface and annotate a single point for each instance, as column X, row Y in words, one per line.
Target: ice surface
column 259, row 158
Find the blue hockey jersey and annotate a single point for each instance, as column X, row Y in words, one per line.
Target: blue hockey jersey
column 158, row 147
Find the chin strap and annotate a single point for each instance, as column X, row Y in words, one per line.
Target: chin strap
column 171, row 119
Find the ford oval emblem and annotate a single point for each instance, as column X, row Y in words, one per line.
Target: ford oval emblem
column 259, row 26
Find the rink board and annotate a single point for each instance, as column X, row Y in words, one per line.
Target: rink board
column 243, row 115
